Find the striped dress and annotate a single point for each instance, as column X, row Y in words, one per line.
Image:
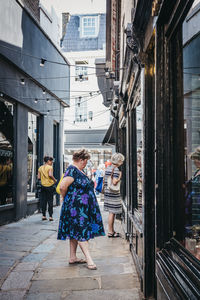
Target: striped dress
column 112, row 202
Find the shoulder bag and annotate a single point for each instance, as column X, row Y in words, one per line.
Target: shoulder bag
column 114, row 188
column 58, row 185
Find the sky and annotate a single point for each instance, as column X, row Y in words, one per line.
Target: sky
column 75, row 6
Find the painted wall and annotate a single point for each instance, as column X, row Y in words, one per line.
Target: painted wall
column 101, row 114
column 50, row 20
column 23, row 42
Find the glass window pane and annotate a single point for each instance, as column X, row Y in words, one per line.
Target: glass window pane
column 32, row 155
column 191, row 57
column 81, row 110
column 89, row 26
column 6, row 152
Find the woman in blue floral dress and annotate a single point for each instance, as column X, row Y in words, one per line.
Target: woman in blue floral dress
column 80, row 218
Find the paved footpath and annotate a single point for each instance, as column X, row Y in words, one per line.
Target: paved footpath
column 34, row 265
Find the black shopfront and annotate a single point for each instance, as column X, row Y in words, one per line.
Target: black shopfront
column 31, row 109
column 158, row 121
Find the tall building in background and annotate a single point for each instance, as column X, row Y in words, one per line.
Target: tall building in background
column 87, row 118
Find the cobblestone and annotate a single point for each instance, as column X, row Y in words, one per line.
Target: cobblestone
column 39, row 268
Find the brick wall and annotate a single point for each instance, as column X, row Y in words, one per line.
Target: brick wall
column 33, row 7
column 113, row 34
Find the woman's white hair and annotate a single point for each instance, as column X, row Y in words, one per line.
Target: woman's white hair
column 117, row 158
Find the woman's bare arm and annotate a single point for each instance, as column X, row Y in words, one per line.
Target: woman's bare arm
column 51, row 175
column 65, row 183
column 116, row 180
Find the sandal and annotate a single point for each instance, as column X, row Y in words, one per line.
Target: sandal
column 113, row 235
column 77, row 261
column 44, row 218
column 50, row 219
column 92, row 267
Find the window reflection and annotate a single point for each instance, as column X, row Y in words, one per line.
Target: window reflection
column 6, row 152
column 192, row 145
column 32, row 155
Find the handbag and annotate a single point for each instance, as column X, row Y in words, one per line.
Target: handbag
column 114, row 188
column 100, row 185
column 58, row 185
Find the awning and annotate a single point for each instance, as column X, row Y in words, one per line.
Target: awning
column 87, row 138
column 109, row 137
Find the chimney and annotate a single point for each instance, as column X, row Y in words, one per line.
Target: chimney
column 65, row 20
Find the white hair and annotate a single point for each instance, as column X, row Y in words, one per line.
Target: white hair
column 117, row 158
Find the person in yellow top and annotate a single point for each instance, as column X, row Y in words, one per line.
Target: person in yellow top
column 45, row 174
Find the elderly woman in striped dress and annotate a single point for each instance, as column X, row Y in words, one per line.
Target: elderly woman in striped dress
column 112, row 201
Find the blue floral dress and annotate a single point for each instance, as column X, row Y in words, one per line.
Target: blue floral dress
column 80, row 216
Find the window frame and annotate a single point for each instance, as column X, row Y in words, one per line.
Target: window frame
column 96, row 28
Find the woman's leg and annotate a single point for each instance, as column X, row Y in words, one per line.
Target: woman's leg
column 50, row 201
column 111, row 219
column 85, row 248
column 73, row 246
column 44, row 201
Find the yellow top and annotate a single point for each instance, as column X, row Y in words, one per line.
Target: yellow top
column 4, row 174
column 44, row 173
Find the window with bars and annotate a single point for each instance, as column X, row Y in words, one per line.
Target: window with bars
column 80, row 110
column 81, row 71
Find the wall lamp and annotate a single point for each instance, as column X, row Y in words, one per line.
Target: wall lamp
column 42, row 62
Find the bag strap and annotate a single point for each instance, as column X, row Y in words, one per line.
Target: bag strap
column 111, row 175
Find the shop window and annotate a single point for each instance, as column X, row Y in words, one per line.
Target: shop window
column 191, row 55
column 139, row 156
column 81, row 71
column 32, row 156
column 6, row 152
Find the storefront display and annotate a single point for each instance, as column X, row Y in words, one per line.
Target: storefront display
column 32, row 155
column 191, row 71
column 6, row 152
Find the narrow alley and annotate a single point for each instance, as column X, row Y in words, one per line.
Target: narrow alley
column 100, row 95
column 34, row 265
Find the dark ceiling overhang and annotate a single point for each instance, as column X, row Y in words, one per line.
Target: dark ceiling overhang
column 109, row 137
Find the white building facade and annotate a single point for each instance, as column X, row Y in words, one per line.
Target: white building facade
column 87, row 118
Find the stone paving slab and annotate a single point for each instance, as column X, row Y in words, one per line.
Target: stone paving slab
column 7, row 262
column 130, row 294
column 16, row 295
column 103, row 270
column 17, row 280
column 54, row 263
column 69, row 284
column 44, row 296
column 26, row 266
column 56, row 273
column 3, row 271
column 11, row 254
column 35, row 257
column 18, row 248
column 122, row 281
column 44, row 248
column 44, row 273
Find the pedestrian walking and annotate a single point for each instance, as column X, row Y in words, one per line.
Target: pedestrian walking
column 45, row 174
column 80, row 218
column 112, row 197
